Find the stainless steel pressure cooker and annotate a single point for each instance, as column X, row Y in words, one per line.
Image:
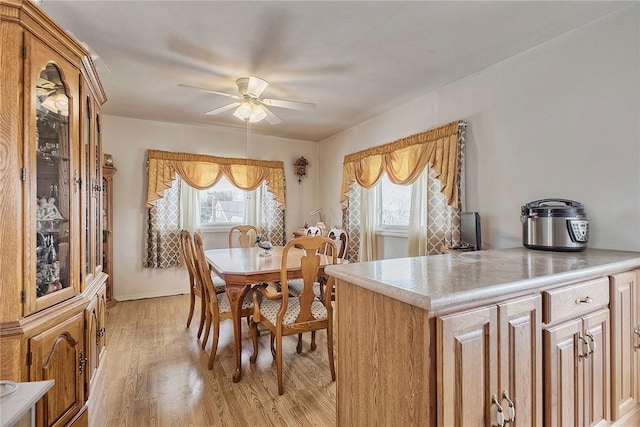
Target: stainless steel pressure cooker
column 554, row 225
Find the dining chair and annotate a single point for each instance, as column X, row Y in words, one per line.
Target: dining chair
column 285, row 314
column 341, row 239
column 217, row 305
column 194, row 284
column 242, row 236
column 313, row 231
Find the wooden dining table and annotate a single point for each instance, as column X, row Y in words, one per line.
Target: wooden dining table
column 243, row 267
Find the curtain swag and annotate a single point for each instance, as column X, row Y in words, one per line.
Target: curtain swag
column 202, row 171
column 404, row 160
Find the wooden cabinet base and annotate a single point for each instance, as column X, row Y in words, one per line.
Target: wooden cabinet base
column 383, row 361
column 80, row 420
column 398, row 364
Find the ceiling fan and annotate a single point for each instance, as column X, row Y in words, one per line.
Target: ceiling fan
column 250, row 106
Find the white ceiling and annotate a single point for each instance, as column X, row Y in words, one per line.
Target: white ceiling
column 354, row 59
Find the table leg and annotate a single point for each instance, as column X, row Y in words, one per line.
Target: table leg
column 236, row 294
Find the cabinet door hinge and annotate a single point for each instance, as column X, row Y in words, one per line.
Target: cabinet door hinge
column 29, row 358
column 23, row 296
column 23, row 174
column 24, row 52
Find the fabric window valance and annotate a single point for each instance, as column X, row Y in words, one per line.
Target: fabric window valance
column 404, row 160
column 202, row 171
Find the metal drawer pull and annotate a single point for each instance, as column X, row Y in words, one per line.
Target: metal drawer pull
column 593, row 342
column 512, row 407
column 499, row 414
column 585, row 342
column 587, row 300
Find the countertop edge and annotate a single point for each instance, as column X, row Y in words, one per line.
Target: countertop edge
column 491, row 291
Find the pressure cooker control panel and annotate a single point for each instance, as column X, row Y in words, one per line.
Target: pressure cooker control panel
column 579, row 230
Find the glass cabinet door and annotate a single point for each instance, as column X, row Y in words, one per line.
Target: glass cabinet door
column 53, row 171
column 51, row 174
column 87, row 191
column 97, row 186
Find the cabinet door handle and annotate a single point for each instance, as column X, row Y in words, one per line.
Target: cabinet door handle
column 76, row 181
column 512, row 407
column 586, row 300
column 585, row 343
column 592, row 346
column 500, row 414
column 637, row 331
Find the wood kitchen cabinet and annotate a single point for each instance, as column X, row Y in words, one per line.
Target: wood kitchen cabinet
column 577, row 361
column 625, row 343
column 431, row 340
column 468, row 368
column 51, row 254
column 491, row 358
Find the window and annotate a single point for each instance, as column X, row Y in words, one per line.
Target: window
column 225, row 205
column 393, row 205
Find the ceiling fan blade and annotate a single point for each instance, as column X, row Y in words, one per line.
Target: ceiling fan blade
column 271, row 118
column 256, row 86
column 223, row 109
column 212, row 91
column 296, row 105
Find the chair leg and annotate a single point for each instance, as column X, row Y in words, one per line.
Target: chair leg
column 279, row 361
column 191, row 307
column 313, row 340
column 207, row 329
column 216, row 336
column 203, row 314
column 330, row 350
column 253, row 327
column 299, row 346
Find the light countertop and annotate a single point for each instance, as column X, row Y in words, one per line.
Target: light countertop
column 439, row 281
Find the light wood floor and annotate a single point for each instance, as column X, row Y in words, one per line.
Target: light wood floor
column 154, row 374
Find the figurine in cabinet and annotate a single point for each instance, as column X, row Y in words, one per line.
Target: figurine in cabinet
column 47, row 209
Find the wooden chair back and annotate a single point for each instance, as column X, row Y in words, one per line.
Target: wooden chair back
column 242, row 236
column 202, row 271
column 310, row 266
column 186, row 251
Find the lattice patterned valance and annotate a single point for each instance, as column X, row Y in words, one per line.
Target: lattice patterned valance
column 404, row 160
column 202, row 171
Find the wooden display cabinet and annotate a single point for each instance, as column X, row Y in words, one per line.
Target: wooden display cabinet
column 51, row 253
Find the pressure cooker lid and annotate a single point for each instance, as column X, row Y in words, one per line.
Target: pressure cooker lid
column 553, row 208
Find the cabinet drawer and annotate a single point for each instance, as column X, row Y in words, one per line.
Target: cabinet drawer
column 575, row 300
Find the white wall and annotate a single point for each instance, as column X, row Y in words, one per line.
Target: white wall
column 128, row 141
column 559, row 120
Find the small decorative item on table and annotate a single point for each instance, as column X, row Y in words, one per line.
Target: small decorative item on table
column 108, row 160
column 266, row 246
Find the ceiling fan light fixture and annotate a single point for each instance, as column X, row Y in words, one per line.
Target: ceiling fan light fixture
column 257, row 114
column 243, row 112
column 251, row 111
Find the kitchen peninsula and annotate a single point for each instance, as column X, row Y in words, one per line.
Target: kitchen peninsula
column 480, row 338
